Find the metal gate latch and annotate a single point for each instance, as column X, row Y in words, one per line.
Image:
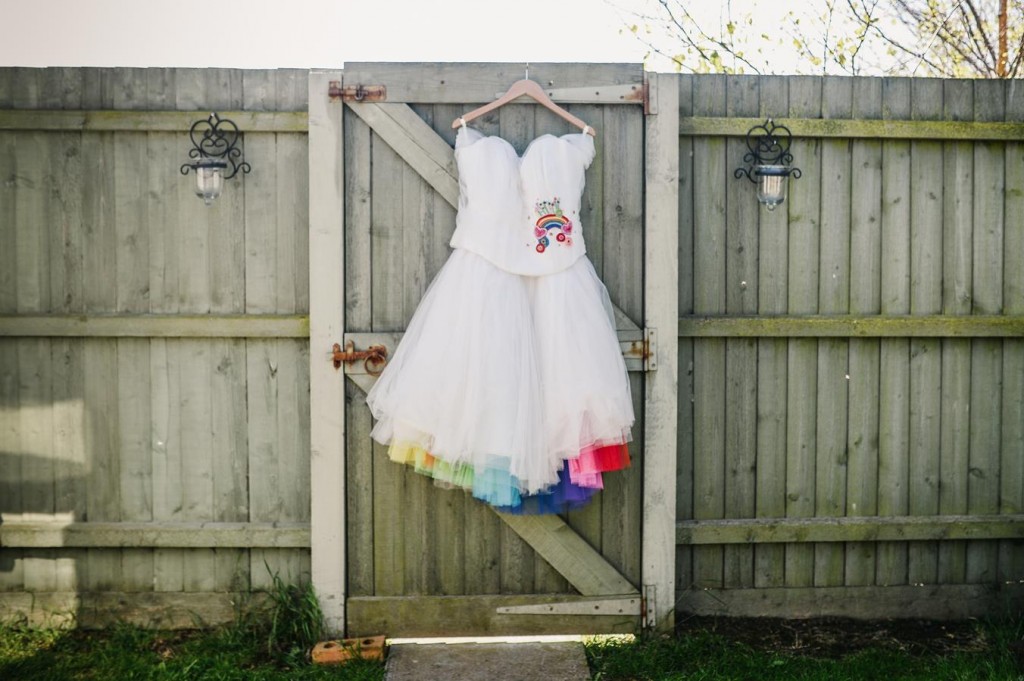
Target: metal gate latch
column 374, row 358
column 357, row 93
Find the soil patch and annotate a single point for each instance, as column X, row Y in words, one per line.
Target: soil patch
column 836, row 637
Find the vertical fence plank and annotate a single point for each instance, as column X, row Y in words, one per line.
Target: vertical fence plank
column 69, row 425
column 709, row 354
column 389, row 314
column 292, row 295
column 12, row 577
column 165, row 191
column 986, row 354
column 358, row 451
column 592, row 203
column 8, row 222
column 1011, row 491
column 261, row 198
column 231, row 462
column 416, row 222
column 134, row 432
column 685, row 422
column 31, row 465
column 833, row 353
column 894, row 417
column 190, row 361
column 196, row 436
column 131, row 163
column 865, row 298
column 103, row 569
column 772, row 385
column 802, row 362
column 925, row 298
column 67, row 239
column 35, row 448
column 741, row 292
column 263, row 370
column 65, row 231
column 623, row 194
column 957, row 285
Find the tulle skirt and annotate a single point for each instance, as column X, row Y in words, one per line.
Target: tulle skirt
column 512, row 387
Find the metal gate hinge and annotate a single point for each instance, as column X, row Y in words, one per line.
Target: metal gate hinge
column 650, row 615
column 357, row 93
column 650, row 349
column 374, row 358
column 646, row 350
column 650, row 108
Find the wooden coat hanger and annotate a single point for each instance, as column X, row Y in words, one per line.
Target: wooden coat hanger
column 527, row 88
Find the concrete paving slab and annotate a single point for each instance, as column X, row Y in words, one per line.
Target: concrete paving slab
column 534, row 661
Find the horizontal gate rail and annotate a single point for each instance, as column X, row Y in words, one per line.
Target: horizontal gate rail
column 923, row 601
column 124, row 120
column 858, row 326
column 155, row 326
column 51, row 534
column 697, row 126
column 849, row 529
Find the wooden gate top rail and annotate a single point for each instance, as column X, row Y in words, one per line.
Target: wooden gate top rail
column 853, row 326
column 967, row 131
column 462, row 83
column 849, row 529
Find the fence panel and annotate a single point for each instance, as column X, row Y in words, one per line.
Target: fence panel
column 881, row 389
column 113, row 432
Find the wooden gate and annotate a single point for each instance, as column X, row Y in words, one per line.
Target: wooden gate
column 391, row 552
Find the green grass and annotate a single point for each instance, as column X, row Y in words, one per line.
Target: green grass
column 268, row 645
column 708, row 656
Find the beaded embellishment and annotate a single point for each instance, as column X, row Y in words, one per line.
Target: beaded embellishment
column 552, row 222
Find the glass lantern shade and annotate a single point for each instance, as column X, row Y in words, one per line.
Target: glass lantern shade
column 772, row 181
column 209, row 180
column 768, row 162
column 216, row 156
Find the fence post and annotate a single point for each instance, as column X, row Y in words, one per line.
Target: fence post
column 661, row 314
column 326, row 326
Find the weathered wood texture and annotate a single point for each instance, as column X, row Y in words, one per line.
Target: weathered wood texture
column 856, row 353
column 128, row 429
column 854, row 405
column 412, row 544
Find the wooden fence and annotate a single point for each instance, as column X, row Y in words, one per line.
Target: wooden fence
column 154, row 421
column 851, row 411
column 851, row 435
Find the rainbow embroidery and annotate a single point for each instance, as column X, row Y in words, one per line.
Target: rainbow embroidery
column 551, row 220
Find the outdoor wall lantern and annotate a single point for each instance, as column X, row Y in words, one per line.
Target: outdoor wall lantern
column 768, row 162
column 216, row 150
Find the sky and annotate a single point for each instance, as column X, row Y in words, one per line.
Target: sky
column 313, row 33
